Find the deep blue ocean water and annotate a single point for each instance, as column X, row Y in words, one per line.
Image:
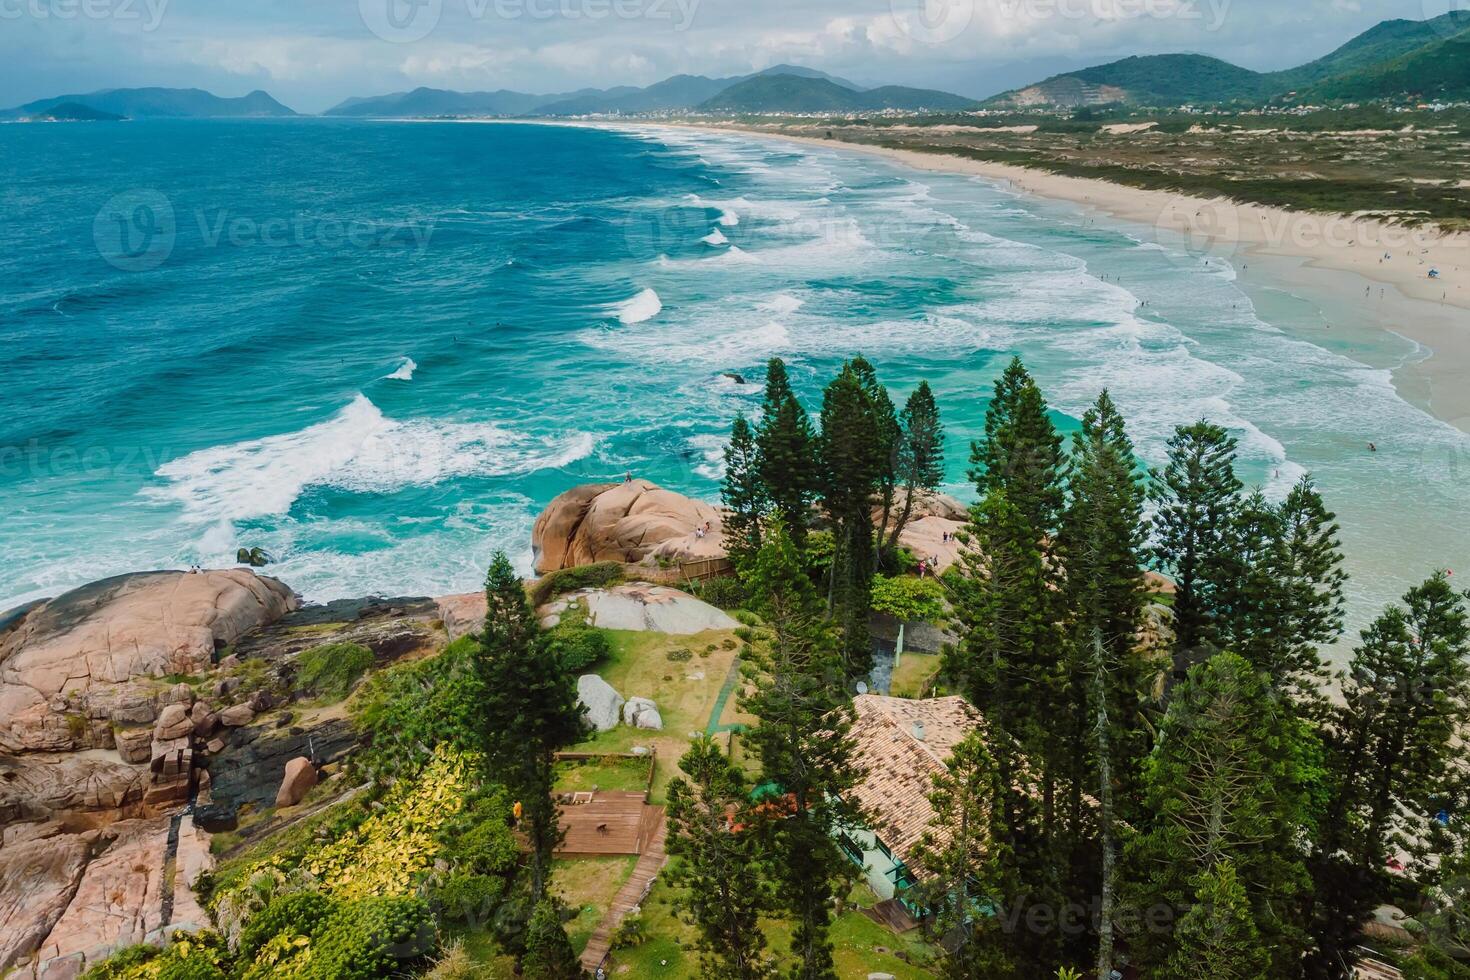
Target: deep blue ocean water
column 378, row 349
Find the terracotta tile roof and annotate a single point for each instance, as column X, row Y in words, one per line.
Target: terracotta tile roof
column 900, row 745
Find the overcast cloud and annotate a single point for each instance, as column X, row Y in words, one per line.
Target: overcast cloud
column 311, row 54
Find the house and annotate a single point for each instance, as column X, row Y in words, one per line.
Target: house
column 899, row 746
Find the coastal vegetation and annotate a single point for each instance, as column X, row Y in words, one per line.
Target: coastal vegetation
column 1180, row 788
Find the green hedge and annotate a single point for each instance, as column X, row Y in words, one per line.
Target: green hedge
column 330, row 670
column 566, row 580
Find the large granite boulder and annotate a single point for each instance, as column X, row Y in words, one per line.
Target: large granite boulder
column 642, row 713
column 299, row 778
column 462, row 615
column 71, row 666
column 641, row 606
column 625, row 522
column 602, row 702
column 42, row 786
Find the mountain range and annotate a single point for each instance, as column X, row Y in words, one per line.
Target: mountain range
column 785, row 88
column 1397, row 58
column 1428, row 59
column 150, row 103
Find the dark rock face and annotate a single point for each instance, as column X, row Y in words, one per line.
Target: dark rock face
column 250, row 769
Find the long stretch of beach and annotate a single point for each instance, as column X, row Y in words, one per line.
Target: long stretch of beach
column 1364, row 274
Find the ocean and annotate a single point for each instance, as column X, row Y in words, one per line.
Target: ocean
column 377, row 350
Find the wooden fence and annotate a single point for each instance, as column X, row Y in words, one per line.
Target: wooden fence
column 699, row 570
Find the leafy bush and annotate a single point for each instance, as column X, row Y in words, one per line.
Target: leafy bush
column 370, row 938
column 469, row 898
column 679, row 654
column 908, row 599
column 818, row 552
column 330, row 670
column 298, row 914
column 566, row 580
column 630, row 932
column 406, row 711
column 190, row 956
column 726, row 593
column 578, row 646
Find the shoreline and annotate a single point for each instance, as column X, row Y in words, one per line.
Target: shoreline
column 1334, row 261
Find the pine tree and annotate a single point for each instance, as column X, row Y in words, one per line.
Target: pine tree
column 1217, row 936
column 920, row 468
column 1010, row 664
column 851, row 467
column 720, row 864
column 530, row 711
column 1195, row 496
column 549, row 954
column 967, row 862
column 743, row 494
column 886, row 438
column 1234, row 779
column 786, row 453
column 1021, row 452
column 803, row 746
column 1310, row 574
column 1405, row 701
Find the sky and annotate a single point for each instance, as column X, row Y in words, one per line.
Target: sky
column 311, row 54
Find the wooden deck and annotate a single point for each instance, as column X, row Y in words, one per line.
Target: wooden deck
column 650, row 862
column 893, row 915
column 610, row 823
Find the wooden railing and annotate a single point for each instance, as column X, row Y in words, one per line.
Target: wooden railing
column 698, row 570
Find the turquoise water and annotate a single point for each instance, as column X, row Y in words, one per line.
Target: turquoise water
column 377, row 350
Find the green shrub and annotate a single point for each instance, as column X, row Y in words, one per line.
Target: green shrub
column 549, row 954
column 404, row 712
column 679, row 654
column 566, row 580
column 368, row 938
column 726, row 593
column 189, row 956
column 469, row 898
column 578, row 646
column 330, row 670
column 120, row 965
column 908, row 599
column 298, row 914
column 630, row 932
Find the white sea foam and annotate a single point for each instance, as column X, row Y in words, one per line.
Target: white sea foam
column 781, row 304
column 404, row 371
column 712, row 449
column 645, row 306
column 358, row 449
column 715, row 237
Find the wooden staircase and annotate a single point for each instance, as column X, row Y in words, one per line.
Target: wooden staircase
column 629, row 897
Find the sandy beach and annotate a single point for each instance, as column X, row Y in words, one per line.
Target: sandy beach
column 1364, row 274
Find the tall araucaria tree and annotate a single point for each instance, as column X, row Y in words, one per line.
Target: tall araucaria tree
column 786, row 456
column 1395, row 755
column 1234, row 789
column 743, row 494
column 1196, row 497
column 530, row 712
column 1020, row 452
column 851, row 468
column 720, row 864
column 802, row 743
column 920, row 466
column 886, row 437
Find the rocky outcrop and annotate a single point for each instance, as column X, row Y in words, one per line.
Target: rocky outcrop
column 624, row 522
column 603, row 703
column 74, row 666
column 462, row 615
column 642, row 713
column 641, row 606
column 44, row 787
column 249, row 769
column 37, row 881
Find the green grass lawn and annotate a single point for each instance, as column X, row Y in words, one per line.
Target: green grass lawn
column 588, row 886
column 610, row 774
column 912, row 677
column 684, row 690
column 860, row 945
